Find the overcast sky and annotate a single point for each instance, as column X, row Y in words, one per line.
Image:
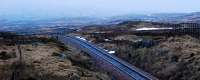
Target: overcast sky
column 95, row 8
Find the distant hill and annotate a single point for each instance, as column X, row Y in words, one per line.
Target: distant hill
column 72, row 22
column 161, row 17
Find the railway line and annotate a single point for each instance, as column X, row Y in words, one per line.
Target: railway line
column 131, row 72
column 128, row 71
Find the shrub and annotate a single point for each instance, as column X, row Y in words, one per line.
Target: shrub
column 4, row 55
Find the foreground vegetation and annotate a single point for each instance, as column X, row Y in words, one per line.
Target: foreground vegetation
column 43, row 59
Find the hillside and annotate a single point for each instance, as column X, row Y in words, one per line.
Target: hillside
column 171, row 57
column 44, row 59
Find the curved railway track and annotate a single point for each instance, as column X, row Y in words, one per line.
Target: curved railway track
column 133, row 72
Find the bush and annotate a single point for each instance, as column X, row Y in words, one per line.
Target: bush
column 4, row 55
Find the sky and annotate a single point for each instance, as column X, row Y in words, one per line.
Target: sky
column 93, row 8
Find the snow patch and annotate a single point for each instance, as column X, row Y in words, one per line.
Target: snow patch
column 152, row 29
column 111, row 52
column 82, row 38
column 107, row 40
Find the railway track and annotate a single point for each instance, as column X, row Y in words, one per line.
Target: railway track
column 133, row 72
